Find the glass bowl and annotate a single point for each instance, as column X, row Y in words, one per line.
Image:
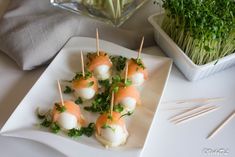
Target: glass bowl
column 114, row 12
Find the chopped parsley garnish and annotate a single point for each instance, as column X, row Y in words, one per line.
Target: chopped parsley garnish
column 119, row 62
column 55, row 128
column 91, row 83
column 68, row 90
column 88, row 131
column 78, row 101
column 60, row 108
column 118, row 108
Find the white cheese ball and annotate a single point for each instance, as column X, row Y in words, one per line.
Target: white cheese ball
column 102, row 72
column 114, row 136
column 137, row 79
column 86, row 93
column 67, row 121
column 129, row 104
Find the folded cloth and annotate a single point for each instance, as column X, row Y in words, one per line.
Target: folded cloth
column 33, row 31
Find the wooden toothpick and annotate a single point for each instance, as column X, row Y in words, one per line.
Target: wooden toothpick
column 197, row 114
column 196, row 100
column 126, row 72
column 221, row 125
column 141, row 47
column 97, row 42
column 60, row 93
column 186, row 112
column 82, row 62
column 112, row 101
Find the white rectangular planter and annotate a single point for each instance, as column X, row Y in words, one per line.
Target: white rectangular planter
column 191, row 71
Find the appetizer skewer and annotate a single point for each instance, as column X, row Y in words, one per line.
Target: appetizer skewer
column 110, row 128
column 99, row 62
column 67, row 114
column 85, row 84
column 137, row 71
column 127, row 95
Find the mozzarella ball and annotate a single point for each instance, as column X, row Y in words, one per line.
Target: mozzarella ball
column 137, row 79
column 102, row 72
column 67, row 121
column 129, row 104
column 113, row 136
column 86, row 93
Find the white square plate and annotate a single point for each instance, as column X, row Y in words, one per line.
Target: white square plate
column 44, row 93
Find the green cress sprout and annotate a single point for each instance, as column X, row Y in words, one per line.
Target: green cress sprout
column 203, row 29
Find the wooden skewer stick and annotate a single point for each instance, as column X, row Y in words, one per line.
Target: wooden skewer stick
column 97, row 42
column 221, row 125
column 197, row 114
column 200, row 100
column 176, row 108
column 112, row 101
column 126, row 72
column 196, row 100
column 184, row 113
column 61, row 97
column 82, row 62
column 141, row 47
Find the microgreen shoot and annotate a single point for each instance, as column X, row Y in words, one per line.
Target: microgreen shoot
column 46, row 123
column 68, row 90
column 90, row 84
column 118, row 108
column 139, row 62
column 60, row 108
column 106, row 126
column 54, row 127
column 88, row 131
column 79, row 75
column 127, row 114
column 119, row 62
column 78, row 101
